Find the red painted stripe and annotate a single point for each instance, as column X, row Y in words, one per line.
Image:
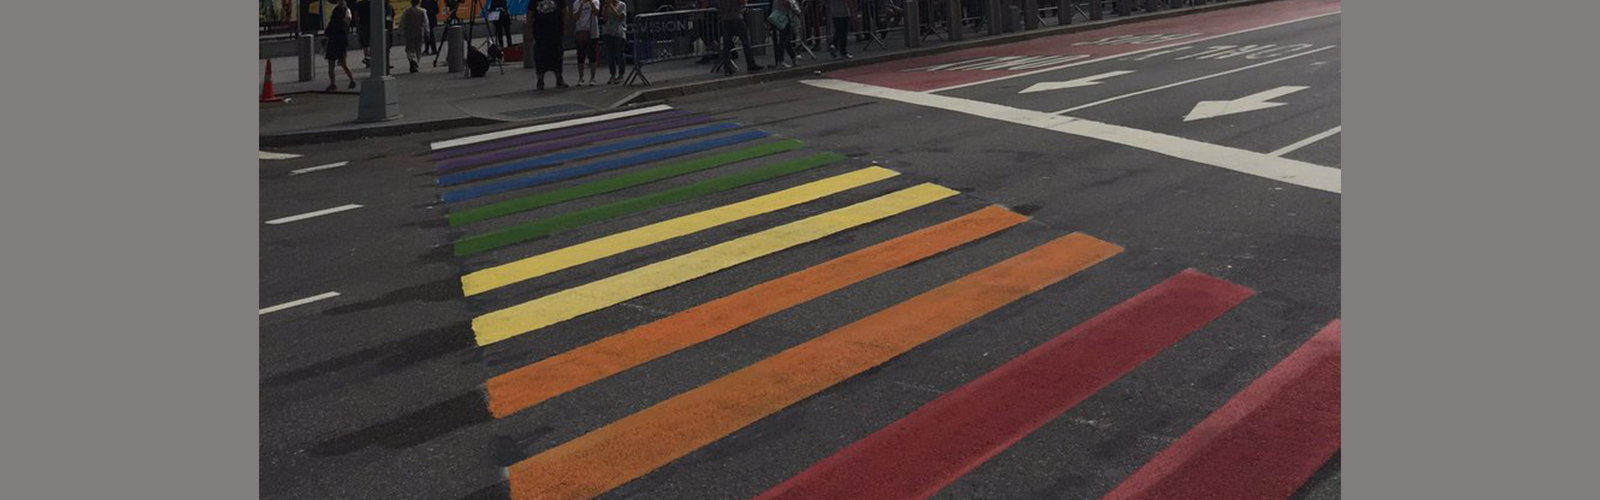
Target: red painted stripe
column 1263, row 444
column 922, row 453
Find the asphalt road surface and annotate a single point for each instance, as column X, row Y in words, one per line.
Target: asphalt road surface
column 1098, row 265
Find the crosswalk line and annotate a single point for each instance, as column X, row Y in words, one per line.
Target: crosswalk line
column 268, row 155
column 556, row 159
column 318, row 168
column 637, row 444
column 318, row 213
column 514, row 153
column 916, row 456
column 590, row 297
column 1265, row 442
column 589, row 251
column 474, row 139
column 547, row 226
column 599, row 166
column 552, row 135
column 535, row 383
column 530, row 202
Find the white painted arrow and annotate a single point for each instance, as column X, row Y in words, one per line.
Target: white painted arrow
column 1252, row 102
column 1080, row 82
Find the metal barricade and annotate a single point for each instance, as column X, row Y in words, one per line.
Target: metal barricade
column 670, row 36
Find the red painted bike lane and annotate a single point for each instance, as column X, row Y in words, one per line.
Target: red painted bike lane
column 986, row 63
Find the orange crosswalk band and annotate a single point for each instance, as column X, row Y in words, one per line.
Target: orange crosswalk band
column 533, row 384
column 635, row 445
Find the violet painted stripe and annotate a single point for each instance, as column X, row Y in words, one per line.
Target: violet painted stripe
column 545, row 147
column 553, row 135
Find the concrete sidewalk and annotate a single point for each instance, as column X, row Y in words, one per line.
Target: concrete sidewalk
column 434, row 99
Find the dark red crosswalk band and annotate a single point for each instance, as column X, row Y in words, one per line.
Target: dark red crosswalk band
column 922, row 453
column 1261, row 445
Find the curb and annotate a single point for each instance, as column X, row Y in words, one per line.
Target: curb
column 681, row 90
column 336, row 135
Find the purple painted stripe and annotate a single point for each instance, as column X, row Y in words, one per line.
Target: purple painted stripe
column 545, row 147
column 552, row 135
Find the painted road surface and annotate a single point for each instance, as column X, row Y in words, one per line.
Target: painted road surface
column 846, row 287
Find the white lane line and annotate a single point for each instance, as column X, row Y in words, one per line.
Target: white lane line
column 268, row 155
column 318, row 213
column 301, row 302
column 1192, row 80
column 474, row 139
column 1125, row 54
column 1249, row 162
column 308, row 170
column 1306, row 141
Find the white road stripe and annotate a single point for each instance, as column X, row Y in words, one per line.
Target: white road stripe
column 301, row 302
column 1306, row 141
column 318, row 213
column 1238, row 160
column 1192, row 80
column 1125, row 54
column 308, row 170
column 268, row 155
column 474, row 139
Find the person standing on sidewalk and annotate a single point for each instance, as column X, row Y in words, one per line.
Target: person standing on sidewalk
column 785, row 15
column 731, row 13
column 413, row 25
column 431, row 45
column 549, row 18
column 585, row 34
column 338, row 42
column 840, row 12
column 364, row 27
column 502, row 24
column 614, row 33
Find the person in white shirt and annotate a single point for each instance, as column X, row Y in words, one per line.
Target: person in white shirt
column 615, row 13
column 586, row 34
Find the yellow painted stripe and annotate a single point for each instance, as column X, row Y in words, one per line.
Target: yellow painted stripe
column 596, row 295
column 590, row 251
column 622, row 451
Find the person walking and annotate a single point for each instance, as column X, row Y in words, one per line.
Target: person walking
column 338, row 42
column 413, row 25
column 502, row 24
column 785, row 15
column 364, row 27
column 614, row 33
column 585, row 34
column 431, row 44
column 549, row 18
column 840, row 12
column 731, row 12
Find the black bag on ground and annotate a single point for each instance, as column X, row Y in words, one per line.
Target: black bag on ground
column 477, row 62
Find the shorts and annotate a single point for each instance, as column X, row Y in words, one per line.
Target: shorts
column 588, row 51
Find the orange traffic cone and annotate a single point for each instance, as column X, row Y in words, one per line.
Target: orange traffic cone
column 266, row 88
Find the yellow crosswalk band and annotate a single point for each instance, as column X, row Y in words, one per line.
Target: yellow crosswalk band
column 583, row 299
column 590, row 251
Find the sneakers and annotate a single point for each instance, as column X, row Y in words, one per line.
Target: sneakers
column 352, row 84
column 786, row 65
column 414, row 67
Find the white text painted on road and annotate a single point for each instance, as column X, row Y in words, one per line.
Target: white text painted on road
column 309, row 215
column 308, row 170
column 1191, row 80
column 295, row 303
column 1001, row 63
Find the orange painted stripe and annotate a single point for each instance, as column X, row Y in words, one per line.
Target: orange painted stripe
column 533, row 384
column 632, row 447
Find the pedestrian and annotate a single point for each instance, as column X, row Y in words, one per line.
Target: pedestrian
column 869, row 19
column 431, row 44
column 585, row 35
column 364, row 28
column 413, row 25
column 502, row 23
column 731, row 13
column 549, row 20
column 614, row 33
column 338, row 42
column 840, row 12
column 785, row 15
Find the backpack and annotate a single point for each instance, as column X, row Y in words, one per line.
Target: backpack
column 477, row 62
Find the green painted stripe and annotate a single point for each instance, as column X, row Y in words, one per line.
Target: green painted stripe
column 548, row 226
column 540, row 200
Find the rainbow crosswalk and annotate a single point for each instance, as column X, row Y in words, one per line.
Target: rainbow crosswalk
column 685, row 197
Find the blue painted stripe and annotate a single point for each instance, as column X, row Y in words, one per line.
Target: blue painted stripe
column 600, row 166
column 548, row 160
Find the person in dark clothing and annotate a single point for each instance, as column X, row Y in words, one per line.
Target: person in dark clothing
column 338, row 44
column 839, row 13
column 364, row 27
column 731, row 13
column 788, row 15
column 431, row 44
column 502, row 25
column 549, row 18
